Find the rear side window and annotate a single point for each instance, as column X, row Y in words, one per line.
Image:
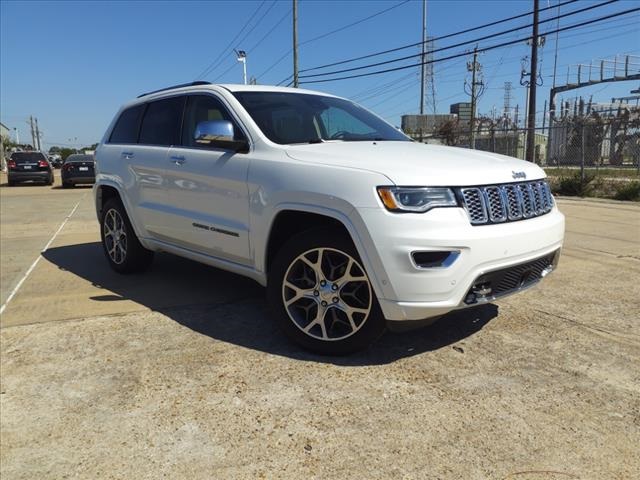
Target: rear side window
column 127, row 126
column 161, row 122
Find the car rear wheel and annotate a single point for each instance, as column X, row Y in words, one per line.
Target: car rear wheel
column 67, row 185
column 321, row 295
column 124, row 252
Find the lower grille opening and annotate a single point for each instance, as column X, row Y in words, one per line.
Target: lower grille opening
column 498, row 283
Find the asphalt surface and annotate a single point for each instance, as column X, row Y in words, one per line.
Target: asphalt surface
column 178, row 372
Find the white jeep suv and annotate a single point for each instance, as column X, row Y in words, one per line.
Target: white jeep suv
column 348, row 223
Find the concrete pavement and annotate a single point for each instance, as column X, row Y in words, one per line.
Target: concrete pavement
column 178, row 372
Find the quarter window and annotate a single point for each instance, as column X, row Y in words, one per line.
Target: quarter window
column 161, row 122
column 127, row 126
column 202, row 108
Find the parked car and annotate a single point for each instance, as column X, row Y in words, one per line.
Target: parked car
column 55, row 160
column 349, row 224
column 29, row 166
column 78, row 169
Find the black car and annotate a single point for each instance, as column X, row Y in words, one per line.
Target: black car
column 78, row 168
column 29, row 166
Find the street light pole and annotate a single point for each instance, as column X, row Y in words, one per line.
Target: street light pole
column 242, row 57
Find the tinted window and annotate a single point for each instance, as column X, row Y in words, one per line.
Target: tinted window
column 202, row 108
column 79, row 158
column 127, row 126
column 304, row 118
column 27, row 157
column 161, row 122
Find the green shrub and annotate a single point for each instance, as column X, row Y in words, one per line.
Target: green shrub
column 628, row 191
column 575, row 186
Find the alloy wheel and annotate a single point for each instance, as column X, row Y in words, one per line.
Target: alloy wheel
column 327, row 294
column 115, row 236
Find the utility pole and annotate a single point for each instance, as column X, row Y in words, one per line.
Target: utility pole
column 39, row 148
column 33, row 133
column 531, row 120
column 295, row 43
column 475, row 92
column 424, row 47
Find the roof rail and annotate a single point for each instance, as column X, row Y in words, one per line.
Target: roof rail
column 190, row 84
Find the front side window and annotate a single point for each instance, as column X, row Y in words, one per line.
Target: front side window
column 127, row 126
column 161, row 122
column 203, row 108
column 289, row 118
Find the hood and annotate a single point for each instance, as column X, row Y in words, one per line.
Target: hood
column 418, row 164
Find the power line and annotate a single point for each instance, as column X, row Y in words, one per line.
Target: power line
column 340, row 29
column 353, row 24
column 460, row 44
column 434, row 39
column 213, row 65
column 483, row 49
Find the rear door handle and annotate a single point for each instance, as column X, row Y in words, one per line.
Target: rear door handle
column 177, row 159
column 127, row 155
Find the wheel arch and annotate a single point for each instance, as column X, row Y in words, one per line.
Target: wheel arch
column 292, row 219
column 103, row 192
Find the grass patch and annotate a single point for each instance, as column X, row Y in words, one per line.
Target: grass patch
column 565, row 172
column 630, row 191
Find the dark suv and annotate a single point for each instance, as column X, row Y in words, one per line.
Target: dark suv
column 27, row 166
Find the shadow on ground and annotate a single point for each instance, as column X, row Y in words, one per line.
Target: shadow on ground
column 232, row 308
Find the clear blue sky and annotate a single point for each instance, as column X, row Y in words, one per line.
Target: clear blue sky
column 72, row 64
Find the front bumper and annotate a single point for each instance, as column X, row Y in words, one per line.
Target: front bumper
column 407, row 292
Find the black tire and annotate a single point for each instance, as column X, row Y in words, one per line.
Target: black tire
column 67, row 184
column 50, row 181
column 11, row 183
column 136, row 258
column 369, row 326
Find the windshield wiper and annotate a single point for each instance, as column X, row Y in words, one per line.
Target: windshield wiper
column 316, row 140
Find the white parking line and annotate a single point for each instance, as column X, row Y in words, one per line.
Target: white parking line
column 33, row 265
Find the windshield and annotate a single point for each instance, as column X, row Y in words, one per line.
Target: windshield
column 27, row 157
column 288, row 118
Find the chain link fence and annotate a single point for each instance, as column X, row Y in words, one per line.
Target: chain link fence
column 583, row 155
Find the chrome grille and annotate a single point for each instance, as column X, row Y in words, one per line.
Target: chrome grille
column 506, row 203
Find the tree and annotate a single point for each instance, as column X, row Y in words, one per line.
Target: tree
column 65, row 152
column 449, row 131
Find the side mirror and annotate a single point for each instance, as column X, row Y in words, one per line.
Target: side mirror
column 218, row 133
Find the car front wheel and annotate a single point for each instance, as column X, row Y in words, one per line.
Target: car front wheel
column 321, row 295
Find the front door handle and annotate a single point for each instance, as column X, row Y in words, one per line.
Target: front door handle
column 177, row 159
column 127, row 155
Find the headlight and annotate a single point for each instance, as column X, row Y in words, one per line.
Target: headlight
column 416, row 199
